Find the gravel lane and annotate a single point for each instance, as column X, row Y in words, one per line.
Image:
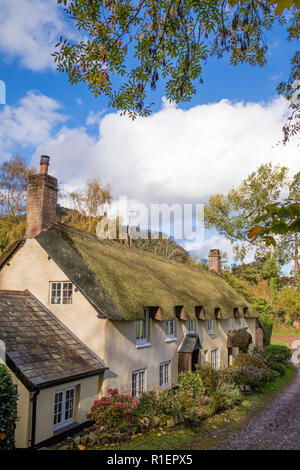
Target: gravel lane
column 277, row 427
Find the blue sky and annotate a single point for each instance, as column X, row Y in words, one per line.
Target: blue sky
column 179, row 154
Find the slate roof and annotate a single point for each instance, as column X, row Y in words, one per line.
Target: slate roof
column 40, row 350
column 189, row 343
column 120, row 281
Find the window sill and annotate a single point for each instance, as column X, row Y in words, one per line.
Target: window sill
column 211, row 333
column 165, row 387
column 170, row 340
column 64, row 428
column 142, row 345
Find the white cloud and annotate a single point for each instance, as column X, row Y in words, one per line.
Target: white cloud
column 29, row 123
column 175, row 155
column 29, row 31
column 217, row 241
column 94, row 117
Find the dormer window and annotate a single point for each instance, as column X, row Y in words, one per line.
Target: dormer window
column 210, row 326
column 169, row 328
column 61, row 293
column 142, row 329
column 191, row 326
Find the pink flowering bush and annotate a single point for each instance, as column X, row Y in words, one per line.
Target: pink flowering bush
column 115, row 411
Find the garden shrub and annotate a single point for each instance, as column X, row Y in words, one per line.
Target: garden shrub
column 279, row 367
column 231, row 393
column 148, row 404
column 254, row 360
column 191, row 384
column 115, row 411
column 8, row 409
column 254, row 377
column 209, row 378
column 195, row 414
column 276, row 353
column 225, row 375
column 168, row 403
column 274, row 374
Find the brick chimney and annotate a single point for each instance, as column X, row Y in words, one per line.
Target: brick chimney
column 214, row 261
column 41, row 200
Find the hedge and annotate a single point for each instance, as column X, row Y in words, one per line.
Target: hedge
column 8, row 409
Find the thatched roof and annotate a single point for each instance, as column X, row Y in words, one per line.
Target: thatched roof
column 120, row 281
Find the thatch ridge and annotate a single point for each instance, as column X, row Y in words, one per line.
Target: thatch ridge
column 120, row 281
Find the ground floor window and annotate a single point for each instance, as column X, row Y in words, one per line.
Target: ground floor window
column 138, row 382
column 64, row 407
column 164, row 374
column 214, row 359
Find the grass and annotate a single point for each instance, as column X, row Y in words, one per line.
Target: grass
column 279, row 342
column 288, row 331
column 213, row 430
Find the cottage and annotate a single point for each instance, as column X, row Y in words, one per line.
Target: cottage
column 146, row 317
column 57, row 377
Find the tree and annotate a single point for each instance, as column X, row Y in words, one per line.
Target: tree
column 14, row 174
column 281, row 219
column 229, row 214
column 91, row 200
column 128, row 45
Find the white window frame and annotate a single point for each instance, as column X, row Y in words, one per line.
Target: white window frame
column 164, row 374
column 210, row 326
column 142, row 330
column 138, row 390
column 170, row 329
column 214, row 358
column 240, row 322
column 61, row 297
column 191, row 326
column 64, row 422
column 229, row 324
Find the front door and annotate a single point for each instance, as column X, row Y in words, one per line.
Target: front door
column 184, row 362
column 195, row 358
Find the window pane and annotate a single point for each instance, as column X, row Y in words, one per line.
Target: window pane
column 67, row 292
column 55, row 293
column 161, row 375
column 134, row 384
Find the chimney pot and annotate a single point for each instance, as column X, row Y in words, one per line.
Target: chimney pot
column 214, row 261
column 44, row 164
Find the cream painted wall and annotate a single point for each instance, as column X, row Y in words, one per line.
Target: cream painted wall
column 23, row 425
column 89, row 392
column 31, row 269
column 114, row 342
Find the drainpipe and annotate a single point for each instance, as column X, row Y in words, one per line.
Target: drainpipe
column 33, row 423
